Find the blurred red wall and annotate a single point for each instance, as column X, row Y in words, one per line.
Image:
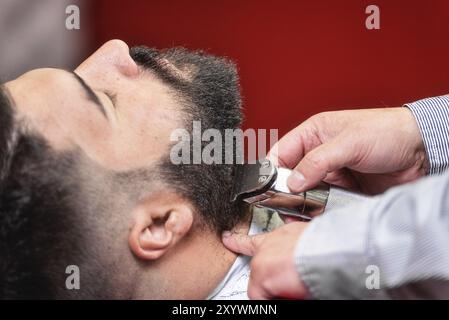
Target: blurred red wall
column 297, row 58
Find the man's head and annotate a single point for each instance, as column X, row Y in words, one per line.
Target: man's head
column 85, row 176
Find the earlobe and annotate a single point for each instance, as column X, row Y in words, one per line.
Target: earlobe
column 159, row 223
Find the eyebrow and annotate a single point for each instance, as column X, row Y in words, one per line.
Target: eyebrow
column 89, row 92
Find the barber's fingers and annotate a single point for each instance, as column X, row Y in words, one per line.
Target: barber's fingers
column 317, row 163
column 343, row 178
column 255, row 290
column 242, row 243
column 290, row 148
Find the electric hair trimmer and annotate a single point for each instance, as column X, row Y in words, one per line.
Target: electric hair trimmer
column 264, row 185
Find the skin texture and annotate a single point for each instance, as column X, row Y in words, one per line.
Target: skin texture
column 364, row 150
column 157, row 240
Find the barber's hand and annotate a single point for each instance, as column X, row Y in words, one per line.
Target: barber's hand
column 367, row 151
column 273, row 271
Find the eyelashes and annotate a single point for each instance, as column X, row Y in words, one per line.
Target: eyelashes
column 112, row 97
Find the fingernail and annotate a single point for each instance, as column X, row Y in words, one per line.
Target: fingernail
column 295, row 181
column 226, row 234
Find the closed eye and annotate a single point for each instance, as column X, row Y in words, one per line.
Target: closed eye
column 90, row 93
column 112, row 97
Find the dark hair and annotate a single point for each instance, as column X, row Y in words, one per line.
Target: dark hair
column 209, row 92
column 6, row 132
column 43, row 206
column 38, row 223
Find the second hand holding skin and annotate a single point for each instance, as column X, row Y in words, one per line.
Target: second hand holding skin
column 273, row 273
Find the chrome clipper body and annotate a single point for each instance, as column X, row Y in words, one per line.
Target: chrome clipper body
column 264, row 185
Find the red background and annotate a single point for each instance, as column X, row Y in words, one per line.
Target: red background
column 297, row 58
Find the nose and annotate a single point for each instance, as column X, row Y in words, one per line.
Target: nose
column 111, row 56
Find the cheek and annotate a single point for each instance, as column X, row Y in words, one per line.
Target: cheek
column 81, row 122
column 143, row 138
column 76, row 123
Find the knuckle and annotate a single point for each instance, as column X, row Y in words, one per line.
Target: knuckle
column 256, row 264
column 265, row 285
column 254, row 241
column 321, row 117
column 252, row 292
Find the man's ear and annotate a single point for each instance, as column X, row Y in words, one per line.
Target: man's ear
column 160, row 221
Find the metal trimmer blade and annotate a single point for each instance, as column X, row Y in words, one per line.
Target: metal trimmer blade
column 263, row 185
column 253, row 179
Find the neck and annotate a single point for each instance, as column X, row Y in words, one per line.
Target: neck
column 192, row 270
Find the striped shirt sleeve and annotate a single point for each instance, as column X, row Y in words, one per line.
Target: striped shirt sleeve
column 392, row 246
column 432, row 116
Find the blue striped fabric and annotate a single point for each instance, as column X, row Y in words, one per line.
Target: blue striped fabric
column 432, row 115
column 403, row 233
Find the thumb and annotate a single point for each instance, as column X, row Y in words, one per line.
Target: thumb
column 242, row 243
column 315, row 165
